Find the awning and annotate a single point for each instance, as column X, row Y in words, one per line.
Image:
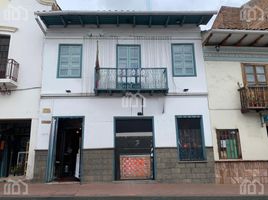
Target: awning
column 230, row 37
column 134, row 18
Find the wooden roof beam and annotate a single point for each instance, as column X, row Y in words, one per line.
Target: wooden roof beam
column 134, row 21
column 63, row 21
column 239, row 42
column 223, row 42
column 207, row 39
column 256, row 40
column 167, row 21
column 117, row 21
column 150, row 21
column 98, row 21
column 81, row 21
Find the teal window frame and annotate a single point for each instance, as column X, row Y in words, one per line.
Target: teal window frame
column 81, row 60
column 204, row 156
column 194, row 60
column 127, row 45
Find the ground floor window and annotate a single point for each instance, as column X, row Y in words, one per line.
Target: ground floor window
column 228, row 144
column 190, row 138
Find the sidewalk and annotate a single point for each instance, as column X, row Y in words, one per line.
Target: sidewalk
column 130, row 189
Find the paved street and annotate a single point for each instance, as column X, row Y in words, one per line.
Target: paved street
column 134, row 191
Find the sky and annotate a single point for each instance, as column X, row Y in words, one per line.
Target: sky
column 157, row 5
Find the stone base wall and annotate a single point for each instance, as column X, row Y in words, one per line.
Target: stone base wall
column 170, row 169
column 98, row 165
column 40, row 164
column 235, row 172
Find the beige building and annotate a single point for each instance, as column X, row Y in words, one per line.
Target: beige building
column 236, row 62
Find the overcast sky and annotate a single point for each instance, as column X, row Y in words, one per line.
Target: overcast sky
column 166, row 5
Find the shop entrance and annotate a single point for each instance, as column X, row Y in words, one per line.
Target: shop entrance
column 65, row 150
column 134, row 149
column 14, row 147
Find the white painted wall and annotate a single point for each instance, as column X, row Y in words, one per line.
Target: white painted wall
column 26, row 47
column 99, row 113
column 155, row 53
column 225, row 113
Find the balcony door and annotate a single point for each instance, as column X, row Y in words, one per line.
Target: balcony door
column 128, row 67
column 4, row 48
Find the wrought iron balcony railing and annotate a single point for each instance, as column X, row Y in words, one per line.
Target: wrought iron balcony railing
column 9, row 69
column 254, row 98
column 144, row 80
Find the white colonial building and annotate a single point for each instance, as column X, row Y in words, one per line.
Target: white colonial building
column 21, row 45
column 124, row 97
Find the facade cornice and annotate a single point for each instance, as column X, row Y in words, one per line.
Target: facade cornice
column 93, row 95
column 8, row 29
column 236, row 54
column 46, row 2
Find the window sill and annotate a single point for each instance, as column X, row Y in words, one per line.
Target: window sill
column 198, row 161
column 229, row 160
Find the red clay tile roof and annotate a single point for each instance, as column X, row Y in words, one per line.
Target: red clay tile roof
column 251, row 16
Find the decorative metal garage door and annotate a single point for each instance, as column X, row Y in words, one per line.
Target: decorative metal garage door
column 134, row 150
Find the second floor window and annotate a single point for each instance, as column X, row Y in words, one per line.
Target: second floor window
column 190, row 140
column 183, row 60
column 254, row 75
column 70, row 61
column 128, row 56
column 228, row 144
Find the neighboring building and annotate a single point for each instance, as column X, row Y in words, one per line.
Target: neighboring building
column 236, row 59
column 21, row 44
column 124, row 97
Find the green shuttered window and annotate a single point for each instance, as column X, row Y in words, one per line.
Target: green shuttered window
column 128, row 56
column 228, row 144
column 70, row 61
column 183, row 60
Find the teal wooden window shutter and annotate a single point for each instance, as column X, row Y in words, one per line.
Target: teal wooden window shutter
column 183, row 60
column 128, row 56
column 70, row 61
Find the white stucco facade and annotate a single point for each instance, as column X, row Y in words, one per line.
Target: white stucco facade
column 99, row 111
column 26, row 44
column 224, row 73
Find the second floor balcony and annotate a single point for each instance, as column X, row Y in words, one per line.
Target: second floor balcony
column 254, row 98
column 9, row 70
column 143, row 80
